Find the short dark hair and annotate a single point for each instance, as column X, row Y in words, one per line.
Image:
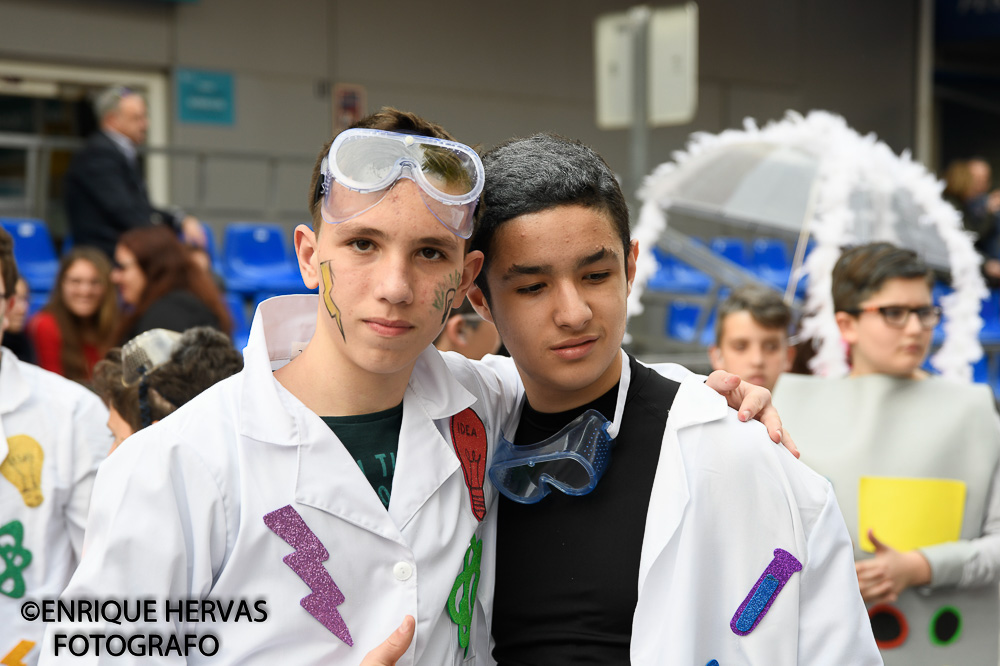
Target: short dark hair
column 861, row 271
column 765, row 306
column 109, row 386
column 543, row 171
column 8, row 266
column 202, row 357
column 386, row 118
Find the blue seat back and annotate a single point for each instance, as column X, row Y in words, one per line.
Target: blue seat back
column 34, row 251
column 733, row 249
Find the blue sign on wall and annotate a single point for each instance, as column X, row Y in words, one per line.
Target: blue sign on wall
column 205, row 97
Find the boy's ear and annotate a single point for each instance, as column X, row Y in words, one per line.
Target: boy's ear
column 715, row 356
column 633, row 255
column 473, row 264
column 479, row 304
column 454, row 330
column 306, row 248
column 848, row 326
column 790, row 360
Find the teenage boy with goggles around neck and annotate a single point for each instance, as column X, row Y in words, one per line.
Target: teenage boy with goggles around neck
column 702, row 543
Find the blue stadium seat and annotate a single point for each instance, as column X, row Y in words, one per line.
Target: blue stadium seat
column 237, row 310
column 682, row 319
column 981, row 371
column 675, row 276
column 36, row 301
column 990, row 312
column 34, row 251
column 772, row 262
column 257, row 257
column 212, row 249
column 733, row 249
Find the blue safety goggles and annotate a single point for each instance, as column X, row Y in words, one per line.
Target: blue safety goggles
column 572, row 461
column 364, row 164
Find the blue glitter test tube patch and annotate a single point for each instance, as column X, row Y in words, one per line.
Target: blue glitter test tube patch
column 765, row 590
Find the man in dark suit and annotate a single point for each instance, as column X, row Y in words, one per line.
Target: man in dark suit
column 105, row 192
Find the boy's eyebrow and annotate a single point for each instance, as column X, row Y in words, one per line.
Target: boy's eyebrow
column 437, row 242
column 603, row 253
column 369, row 231
column 521, row 269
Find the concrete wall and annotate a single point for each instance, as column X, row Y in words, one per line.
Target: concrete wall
column 485, row 70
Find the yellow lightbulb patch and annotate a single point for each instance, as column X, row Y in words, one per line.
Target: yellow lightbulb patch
column 23, row 468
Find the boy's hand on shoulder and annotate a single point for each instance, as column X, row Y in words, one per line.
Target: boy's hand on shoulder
column 751, row 401
column 393, row 647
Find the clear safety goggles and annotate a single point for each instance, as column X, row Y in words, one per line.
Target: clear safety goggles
column 572, row 461
column 146, row 352
column 364, row 164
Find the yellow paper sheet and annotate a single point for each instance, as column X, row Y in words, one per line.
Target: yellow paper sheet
column 909, row 513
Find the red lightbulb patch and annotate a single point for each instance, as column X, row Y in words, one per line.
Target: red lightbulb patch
column 468, row 436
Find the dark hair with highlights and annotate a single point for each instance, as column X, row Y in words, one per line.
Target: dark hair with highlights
column 386, row 118
column 765, row 306
column 167, row 266
column 203, row 357
column 861, row 271
column 543, row 171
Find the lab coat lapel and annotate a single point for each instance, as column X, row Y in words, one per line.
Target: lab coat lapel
column 693, row 405
column 330, row 480
column 426, row 458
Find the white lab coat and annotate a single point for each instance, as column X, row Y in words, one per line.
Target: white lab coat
column 724, row 497
column 178, row 513
column 66, row 424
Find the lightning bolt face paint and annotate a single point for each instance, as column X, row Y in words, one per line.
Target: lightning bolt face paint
column 764, row 592
column 307, row 563
column 326, row 274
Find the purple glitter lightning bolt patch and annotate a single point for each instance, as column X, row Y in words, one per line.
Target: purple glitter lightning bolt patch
column 307, row 562
column 758, row 601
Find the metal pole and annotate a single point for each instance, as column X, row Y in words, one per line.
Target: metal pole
column 639, row 145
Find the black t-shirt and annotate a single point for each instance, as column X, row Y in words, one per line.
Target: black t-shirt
column 568, row 567
column 373, row 440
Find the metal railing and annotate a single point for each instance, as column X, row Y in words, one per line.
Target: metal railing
column 38, row 162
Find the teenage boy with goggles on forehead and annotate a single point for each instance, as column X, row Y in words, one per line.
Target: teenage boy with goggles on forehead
column 340, row 479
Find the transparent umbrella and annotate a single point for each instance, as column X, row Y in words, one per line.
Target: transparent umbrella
column 817, row 177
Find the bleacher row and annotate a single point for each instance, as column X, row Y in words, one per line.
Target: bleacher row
column 256, row 261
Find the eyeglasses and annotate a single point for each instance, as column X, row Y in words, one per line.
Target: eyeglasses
column 897, row 315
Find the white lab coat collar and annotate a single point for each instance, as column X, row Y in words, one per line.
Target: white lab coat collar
column 269, row 413
column 281, row 328
column 512, row 421
column 694, row 404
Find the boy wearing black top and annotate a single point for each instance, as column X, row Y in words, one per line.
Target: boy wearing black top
column 701, row 541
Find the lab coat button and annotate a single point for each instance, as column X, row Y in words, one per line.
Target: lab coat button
column 402, row 571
